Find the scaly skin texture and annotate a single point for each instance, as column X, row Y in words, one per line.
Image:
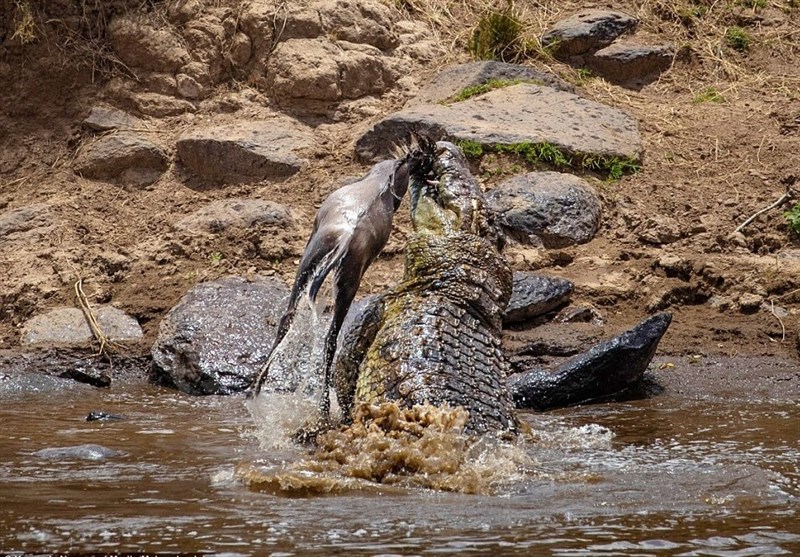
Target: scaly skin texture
column 436, row 337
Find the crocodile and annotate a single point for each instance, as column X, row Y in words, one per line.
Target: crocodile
column 436, row 337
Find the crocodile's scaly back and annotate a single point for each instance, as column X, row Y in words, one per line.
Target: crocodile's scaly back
column 439, row 335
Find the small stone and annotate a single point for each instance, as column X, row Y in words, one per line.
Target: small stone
column 535, row 295
column 160, row 106
column 188, row 87
column 750, row 303
column 123, row 157
column 720, row 303
column 580, row 314
column 140, row 43
column 103, row 118
column 25, row 223
column 630, row 64
column 660, row 230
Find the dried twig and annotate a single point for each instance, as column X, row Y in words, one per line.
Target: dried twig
column 786, row 196
column 783, row 327
column 83, row 302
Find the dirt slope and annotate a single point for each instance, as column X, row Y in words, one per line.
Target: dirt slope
column 721, row 131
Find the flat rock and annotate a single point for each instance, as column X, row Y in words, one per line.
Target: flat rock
column 586, row 32
column 105, row 118
column 217, row 338
column 629, row 64
column 224, row 214
column 556, row 209
column 158, row 105
column 522, row 113
column 122, row 157
column 243, row 152
column 607, row 369
column 47, row 369
column 457, row 78
column 535, row 295
column 68, row 326
column 25, row 223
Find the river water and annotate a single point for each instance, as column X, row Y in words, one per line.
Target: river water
column 669, row 475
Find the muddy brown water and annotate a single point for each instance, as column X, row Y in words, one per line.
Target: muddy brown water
column 682, row 473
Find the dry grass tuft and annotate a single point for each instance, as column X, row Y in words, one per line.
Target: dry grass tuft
column 24, row 23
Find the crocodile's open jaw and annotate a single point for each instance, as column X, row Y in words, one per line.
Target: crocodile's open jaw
column 446, row 199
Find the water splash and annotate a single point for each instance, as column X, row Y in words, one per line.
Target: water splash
column 394, row 447
column 290, row 397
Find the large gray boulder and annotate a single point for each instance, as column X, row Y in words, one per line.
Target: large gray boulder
column 522, row 113
column 558, row 210
column 122, row 157
column 243, row 152
column 609, row 368
column 217, row 338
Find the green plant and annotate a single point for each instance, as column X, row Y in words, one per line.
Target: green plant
column 691, row 13
column 709, row 94
column 737, row 38
column 472, row 149
column 615, row 167
column 536, row 152
column 497, row 36
column 753, row 3
column 583, row 74
column 618, row 167
column 490, row 85
column 215, row 258
column 792, row 217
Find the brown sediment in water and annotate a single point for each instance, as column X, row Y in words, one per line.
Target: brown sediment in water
column 388, row 446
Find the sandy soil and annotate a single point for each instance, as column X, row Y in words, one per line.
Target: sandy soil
column 708, row 166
